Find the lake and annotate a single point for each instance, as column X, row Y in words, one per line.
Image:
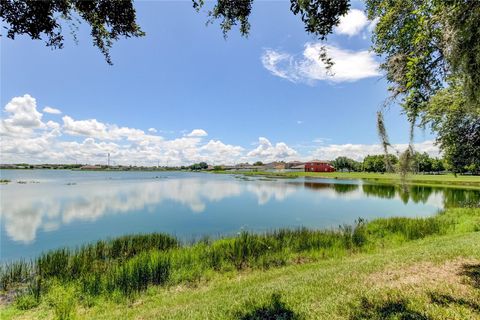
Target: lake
column 54, row 208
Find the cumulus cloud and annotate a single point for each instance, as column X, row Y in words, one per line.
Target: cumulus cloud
column 197, row 133
column 352, row 23
column 22, row 113
column 95, row 129
column 221, row 152
column 152, row 130
column 51, row 110
column 360, row 151
column 89, row 128
column 26, row 138
column 308, row 68
column 269, row 152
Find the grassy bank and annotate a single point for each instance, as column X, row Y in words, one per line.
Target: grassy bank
column 159, row 277
column 387, row 178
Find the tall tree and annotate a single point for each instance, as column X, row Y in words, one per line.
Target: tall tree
column 457, row 127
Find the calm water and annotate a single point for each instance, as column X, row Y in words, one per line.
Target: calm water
column 67, row 208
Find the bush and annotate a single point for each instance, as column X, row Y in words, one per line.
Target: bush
column 26, row 302
column 62, row 301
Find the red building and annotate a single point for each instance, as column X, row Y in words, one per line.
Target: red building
column 318, row 166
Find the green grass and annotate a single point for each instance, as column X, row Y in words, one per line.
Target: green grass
column 462, row 181
column 342, row 288
column 294, row 273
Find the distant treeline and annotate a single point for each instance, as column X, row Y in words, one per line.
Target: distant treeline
column 422, row 162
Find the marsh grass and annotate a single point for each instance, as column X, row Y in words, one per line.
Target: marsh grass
column 16, row 272
column 129, row 265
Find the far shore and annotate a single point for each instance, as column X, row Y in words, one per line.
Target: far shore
column 447, row 180
column 420, row 179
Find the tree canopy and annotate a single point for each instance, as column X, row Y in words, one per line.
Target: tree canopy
column 377, row 163
column 425, row 45
column 109, row 20
column 424, row 42
column 345, row 163
column 457, row 127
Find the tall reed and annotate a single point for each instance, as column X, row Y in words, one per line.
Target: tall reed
column 130, row 264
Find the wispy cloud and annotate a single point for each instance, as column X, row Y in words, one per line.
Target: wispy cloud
column 51, row 110
column 308, row 67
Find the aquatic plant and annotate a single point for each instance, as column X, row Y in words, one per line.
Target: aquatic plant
column 16, row 272
column 130, row 264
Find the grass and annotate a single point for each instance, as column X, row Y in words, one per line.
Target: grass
column 284, row 272
column 450, row 180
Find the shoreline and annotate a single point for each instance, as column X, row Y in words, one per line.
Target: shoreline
column 444, row 180
column 447, row 238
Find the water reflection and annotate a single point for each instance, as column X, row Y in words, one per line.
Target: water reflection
column 50, row 206
column 26, row 209
column 451, row 197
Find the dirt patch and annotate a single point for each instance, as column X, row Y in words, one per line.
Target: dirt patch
column 424, row 275
column 301, row 260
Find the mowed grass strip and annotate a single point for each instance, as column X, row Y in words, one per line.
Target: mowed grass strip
column 450, row 180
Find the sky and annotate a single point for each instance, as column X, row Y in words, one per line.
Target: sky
column 184, row 94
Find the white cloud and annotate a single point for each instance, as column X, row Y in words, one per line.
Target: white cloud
column 89, row 128
column 308, row 68
column 321, row 140
column 51, row 110
column 373, row 24
column 271, row 59
column 25, row 138
column 218, row 152
column 53, row 125
column 23, row 114
column 352, row 23
column 269, row 152
column 98, row 130
column 152, row 130
column 197, row 133
column 359, row 151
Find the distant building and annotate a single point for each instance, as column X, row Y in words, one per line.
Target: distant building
column 294, row 164
column 274, row 166
column 300, row 167
column 319, row 166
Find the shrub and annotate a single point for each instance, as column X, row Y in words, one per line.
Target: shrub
column 62, row 301
column 26, row 302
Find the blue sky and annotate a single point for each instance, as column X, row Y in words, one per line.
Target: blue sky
column 265, row 97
